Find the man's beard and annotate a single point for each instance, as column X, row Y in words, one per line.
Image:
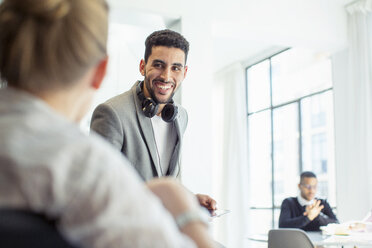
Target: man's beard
column 152, row 94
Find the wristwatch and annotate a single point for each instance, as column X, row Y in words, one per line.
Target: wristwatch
column 200, row 215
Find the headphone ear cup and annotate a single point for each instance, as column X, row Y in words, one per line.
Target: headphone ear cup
column 169, row 112
column 149, row 107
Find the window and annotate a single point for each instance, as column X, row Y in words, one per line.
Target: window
column 290, row 130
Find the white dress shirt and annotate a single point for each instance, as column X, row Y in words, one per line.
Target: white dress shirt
column 303, row 202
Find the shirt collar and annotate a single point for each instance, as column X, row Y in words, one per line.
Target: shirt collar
column 303, row 202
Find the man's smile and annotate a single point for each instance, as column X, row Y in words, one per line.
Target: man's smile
column 162, row 87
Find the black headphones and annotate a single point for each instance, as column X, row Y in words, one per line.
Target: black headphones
column 150, row 107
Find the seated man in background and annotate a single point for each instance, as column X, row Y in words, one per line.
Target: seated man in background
column 53, row 59
column 305, row 211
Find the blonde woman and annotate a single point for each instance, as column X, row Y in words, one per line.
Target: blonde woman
column 53, row 58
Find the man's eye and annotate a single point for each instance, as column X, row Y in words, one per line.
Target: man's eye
column 176, row 68
column 158, row 65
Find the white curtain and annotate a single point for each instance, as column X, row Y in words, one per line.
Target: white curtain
column 230, row 160
column 354, row 172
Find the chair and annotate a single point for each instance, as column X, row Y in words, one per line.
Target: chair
column 23, row 229
column 289, row 238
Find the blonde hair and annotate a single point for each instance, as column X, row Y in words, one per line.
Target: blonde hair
column 47, row 44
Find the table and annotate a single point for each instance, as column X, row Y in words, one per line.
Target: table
column 355, row 239
column 318, row 239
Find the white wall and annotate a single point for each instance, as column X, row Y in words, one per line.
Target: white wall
column 197, row 149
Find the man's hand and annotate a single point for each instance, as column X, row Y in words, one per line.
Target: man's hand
column 207, row 202
column 312, row 211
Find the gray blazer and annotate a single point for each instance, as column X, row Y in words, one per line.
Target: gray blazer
column 120, row 121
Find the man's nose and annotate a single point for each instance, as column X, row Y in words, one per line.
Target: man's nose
column 166, row 74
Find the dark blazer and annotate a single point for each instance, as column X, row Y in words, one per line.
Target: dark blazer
column 291, row 216
column 121, row 121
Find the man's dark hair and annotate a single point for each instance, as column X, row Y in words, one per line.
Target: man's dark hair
column 167, row 38
column 306, row 174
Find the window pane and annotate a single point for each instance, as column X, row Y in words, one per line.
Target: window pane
column 317, row 141
column 276, row 217
column 260, row 158
column 297, row 73
column 285, row 152
column 258, row 86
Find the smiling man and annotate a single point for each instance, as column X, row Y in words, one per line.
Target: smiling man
column 164, row 70
column 144, row 122
column 305, row 211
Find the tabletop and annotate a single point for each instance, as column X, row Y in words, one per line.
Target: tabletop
column 318, row 239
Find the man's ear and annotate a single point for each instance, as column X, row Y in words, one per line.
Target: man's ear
column 185, row 73
column 142, row 67
column 100, row 73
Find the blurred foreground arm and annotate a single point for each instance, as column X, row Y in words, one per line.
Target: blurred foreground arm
column 179, row 202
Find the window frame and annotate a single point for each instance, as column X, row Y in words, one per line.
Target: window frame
column 271, row 108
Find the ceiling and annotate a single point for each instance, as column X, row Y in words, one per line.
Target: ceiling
column 242, row 29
